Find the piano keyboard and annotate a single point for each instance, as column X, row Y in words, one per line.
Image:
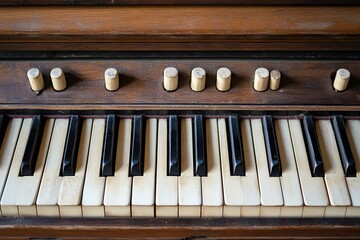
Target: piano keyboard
column 180, row 167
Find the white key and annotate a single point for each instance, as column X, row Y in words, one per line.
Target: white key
column 189, row 185
column 70, row 194
column 93, row 194
column 313, row 188
column 20, row 193
column 293, row 202
column 166, row 186
column 250, row 196
column 118, row 187
column 270, row 188
column 8, row 148
column 143, row 189
column 353, row 183
column 51, row 180
column 241, row 193
column 334, row 174
column 231, row 184
column 212, row 184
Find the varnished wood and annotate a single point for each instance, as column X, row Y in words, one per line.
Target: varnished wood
column 191, row 28
column 170, row 2
column 306, row 85
column 172, row 228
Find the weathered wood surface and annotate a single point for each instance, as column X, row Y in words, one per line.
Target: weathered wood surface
column 180, row 228
column 180, row 28
column 170, row 2
column 305, row 85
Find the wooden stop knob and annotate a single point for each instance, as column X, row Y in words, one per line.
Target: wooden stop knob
column 341, row 79
column 198, row 78
column 36, row 79
column 223, row 79
column 170, row 79
column 275, row 77
column 261, row 79
column 111, row 79
column 58, row 79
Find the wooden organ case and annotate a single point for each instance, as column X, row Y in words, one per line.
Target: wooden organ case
column 306, row 41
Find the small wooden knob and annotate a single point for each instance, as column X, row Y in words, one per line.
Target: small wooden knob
column 261, row 79
column 170, row 79
column 198, row 78
column 58, row 79
column 341, row 79
column 111, row 79
column 223, row 79
column 275, row 77
column 36, row 79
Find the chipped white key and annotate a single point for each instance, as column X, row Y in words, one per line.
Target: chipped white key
column 313, row 188
column 20, row 193
column 270, row 188
column 212, row 184
column 143, row 188
column 47, row 198
column 118, row 187
column 7, row 149
column 71, row 189
column 293, row 201
column 166, row 186
column 334, row 174
column 353, row 183
column 93, row 193
column 189, row 185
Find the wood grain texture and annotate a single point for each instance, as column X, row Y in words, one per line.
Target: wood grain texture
column 172, row 228
column 304, row 83
column 164, row 27
column 170, row 2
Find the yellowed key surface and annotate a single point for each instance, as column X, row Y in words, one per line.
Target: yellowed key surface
column 93, row 193
column 166, row 186
column 143, row 188
column 270, row 188
column 47, row 198
column 20, row 193
column 211, row 184
column 189, row 185
column 118, row 187
column 70, row 195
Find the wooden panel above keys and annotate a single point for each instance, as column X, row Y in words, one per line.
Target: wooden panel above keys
column 306, row 85
column 169, row 2
column 180, row 28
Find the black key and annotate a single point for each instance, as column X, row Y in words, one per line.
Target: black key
column 71, row 146
column 109, row 147
column 272, row 149
column 343, row 144
column 312, row 147
column 174, row 147
column 32, row 146
column 137, row 147
column 199, row 147
column 237, row 164
column 3, row 126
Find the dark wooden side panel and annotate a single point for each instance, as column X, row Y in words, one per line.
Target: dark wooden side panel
column 180, row 27
column 304, row 84
column 180, row 228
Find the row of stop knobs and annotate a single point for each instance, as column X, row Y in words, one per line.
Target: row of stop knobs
column 223, row 79
column 262, row 79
